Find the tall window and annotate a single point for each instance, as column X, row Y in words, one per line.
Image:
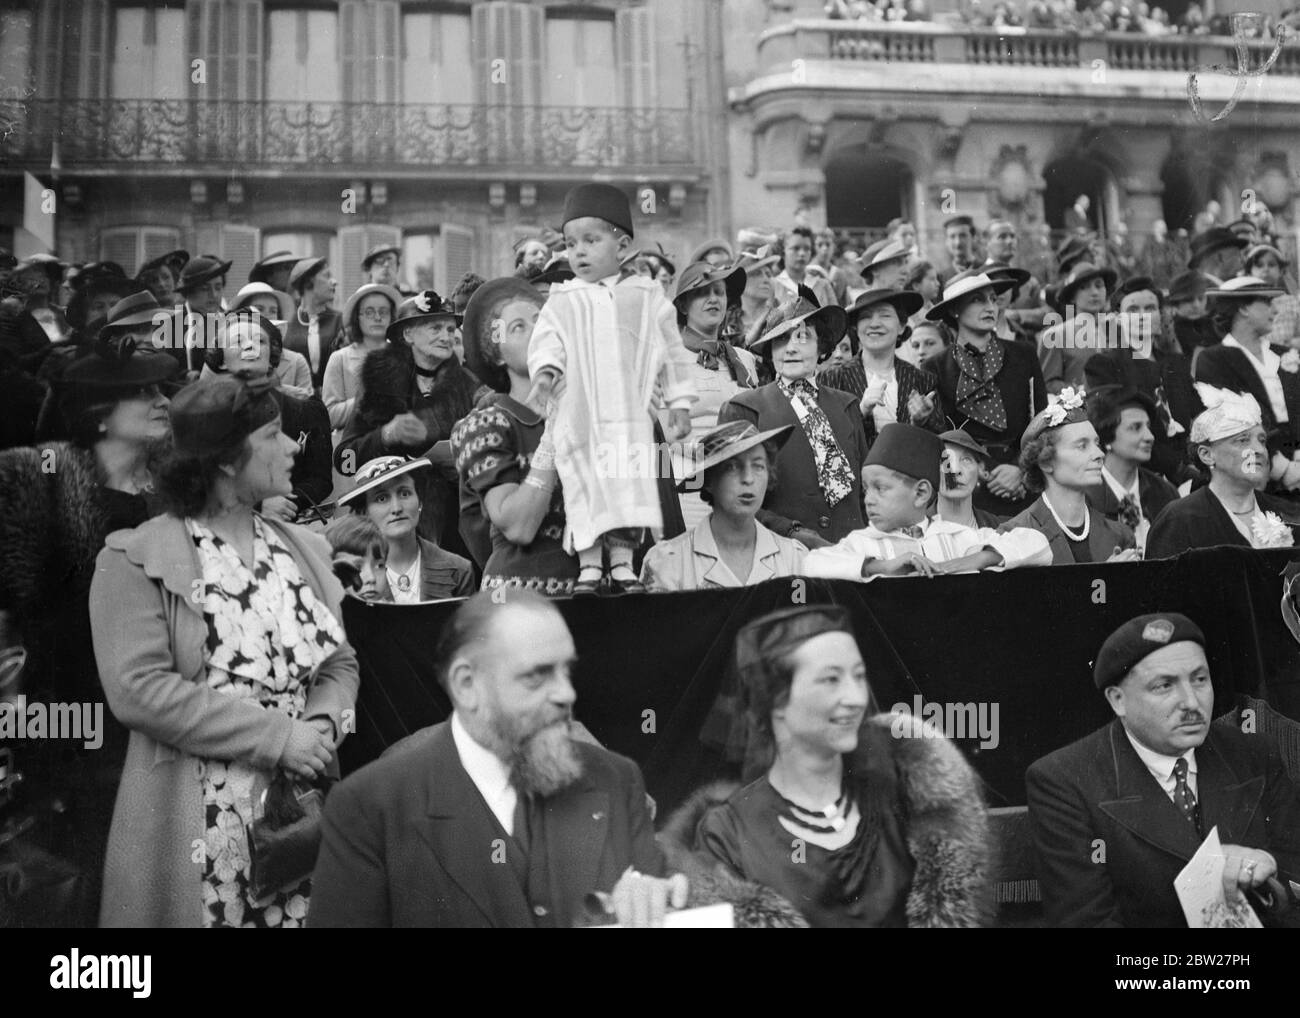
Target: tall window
column 15, row 53
column 435, row 55
column 302, row 55
column 580, row 63
column 148, row 53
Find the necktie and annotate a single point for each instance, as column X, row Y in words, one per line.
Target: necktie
column 834, row 475
column 522, row 833
column 1130, row 514
column 1183, row 797
column 914, row 532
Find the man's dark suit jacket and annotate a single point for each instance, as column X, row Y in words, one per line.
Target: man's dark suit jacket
column 312, row 478
column 1096, row 796
column 797, row 496
column 1200, row 521
column 409, row 841
column 1228, row 368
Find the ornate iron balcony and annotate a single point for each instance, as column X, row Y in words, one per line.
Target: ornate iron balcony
column 388, row 136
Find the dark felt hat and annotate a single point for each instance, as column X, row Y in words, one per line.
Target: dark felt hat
column 1137, row 638
column 557, row 271
column 764, row 642
column 99, row 284
column 271, row 264
column 963, row 439
column 909, row 450
column 604, row 201
column 200, row 270
column 423, row 307
column 215, row 412
column 480, row 339
column 303, row 270
column 708, row 246
column 1084, row 272
column 377, row 251
column 905, row 302
column 135, row 311
column 1216, row 238
column 118, row 363
column 1188, row 286
column 699, row 275
column 1075, row 249
column 1136, row 284
column 174, row 260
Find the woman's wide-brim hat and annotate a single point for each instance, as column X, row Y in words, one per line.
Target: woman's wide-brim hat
column 905, row 302
column 378, row 252
column 425, row 306
column 201, row 270
column 364, row 291
column 300, row 276
column 135, row 311
column 1251, row 254
column 478, row 327
column 724, row 442
column 700, row 275
column 123, row 366
column 246, row 295
column 174, row 260
column 557, row 271
column 275, row 262
column 829, row 321
column 378, row 472
column 1081, row 274
column 51, row 266
column 1188, row 286
column 1244, row 288
column 882, row 253
column 958, row 289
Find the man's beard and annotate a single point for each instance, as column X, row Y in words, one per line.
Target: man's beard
column 543, row 761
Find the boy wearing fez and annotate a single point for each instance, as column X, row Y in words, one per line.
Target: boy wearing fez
column 900, row 481
column 615, row 344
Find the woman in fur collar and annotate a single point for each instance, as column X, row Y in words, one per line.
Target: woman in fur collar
column 857, row 820
column 413, row 392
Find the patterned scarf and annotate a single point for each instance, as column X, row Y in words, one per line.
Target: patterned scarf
column 834, row 475
column 1130, row 513
column 978, row 395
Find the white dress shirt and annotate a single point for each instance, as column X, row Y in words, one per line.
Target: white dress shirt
column 1162, row 767
column 488, row 772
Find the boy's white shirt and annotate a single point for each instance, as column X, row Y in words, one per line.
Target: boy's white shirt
column 611, row 389
column 941, row 541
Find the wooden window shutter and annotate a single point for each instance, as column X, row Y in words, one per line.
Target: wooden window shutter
column 45, row 47
column 635, row 43
column 239, row 246
column 531, row 54
column 352, row 248
column 388, row 60
column 121, row 245
column 250, row 85
column 351, row 17
column 156, row 241
column 455, row 256
column 85, row 64
column 491, row 43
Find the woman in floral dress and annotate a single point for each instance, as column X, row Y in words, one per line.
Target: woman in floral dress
column 219, row 646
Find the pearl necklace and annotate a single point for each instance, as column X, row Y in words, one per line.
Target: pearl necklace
column 1087, row 522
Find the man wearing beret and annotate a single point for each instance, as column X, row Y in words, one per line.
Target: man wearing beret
column 1118, row 814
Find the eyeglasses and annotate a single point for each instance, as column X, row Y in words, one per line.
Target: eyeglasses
column 376, row 314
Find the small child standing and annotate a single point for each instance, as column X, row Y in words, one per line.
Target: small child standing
column 614, row 343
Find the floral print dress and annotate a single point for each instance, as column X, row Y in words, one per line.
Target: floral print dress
column 268, row 633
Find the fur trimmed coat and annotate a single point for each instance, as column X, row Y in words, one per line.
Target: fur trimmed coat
column 940, row 809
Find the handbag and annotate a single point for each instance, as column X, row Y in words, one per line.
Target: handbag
column 283, row 842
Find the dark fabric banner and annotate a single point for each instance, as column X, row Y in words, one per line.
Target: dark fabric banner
column 1013, row 650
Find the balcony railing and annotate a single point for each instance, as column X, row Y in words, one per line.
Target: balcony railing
column 137, row 132
column 924, row 42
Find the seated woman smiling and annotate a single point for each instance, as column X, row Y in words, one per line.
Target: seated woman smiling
column 857, row 820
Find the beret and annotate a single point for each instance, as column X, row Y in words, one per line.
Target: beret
column 1137, row 638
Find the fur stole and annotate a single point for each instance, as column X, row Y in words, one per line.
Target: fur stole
column 389, row 388
column 943, row 814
